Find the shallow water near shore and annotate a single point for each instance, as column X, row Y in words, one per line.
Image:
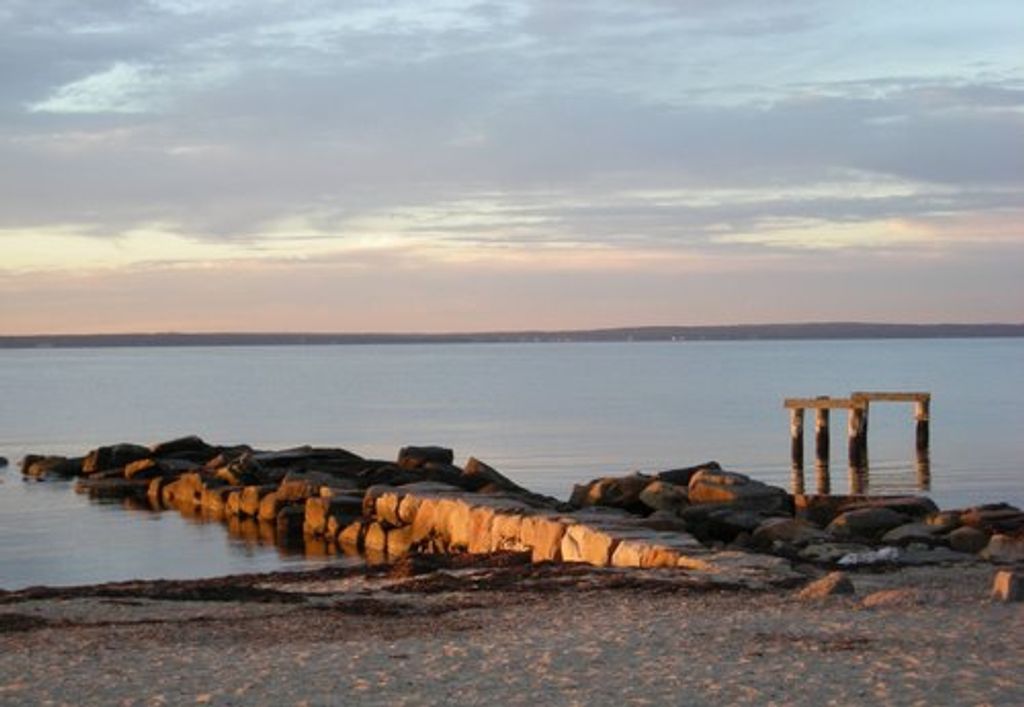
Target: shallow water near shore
column 547, row 415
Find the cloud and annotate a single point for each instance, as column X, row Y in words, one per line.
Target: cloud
column 463, row 131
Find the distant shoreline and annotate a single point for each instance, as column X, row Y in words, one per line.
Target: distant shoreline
column 750, row 332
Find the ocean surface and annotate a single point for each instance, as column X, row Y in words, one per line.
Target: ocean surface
column 547, row 415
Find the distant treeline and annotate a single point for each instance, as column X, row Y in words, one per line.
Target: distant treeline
column 749, row 332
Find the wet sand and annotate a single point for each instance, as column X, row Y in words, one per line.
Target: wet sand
column 512, row 634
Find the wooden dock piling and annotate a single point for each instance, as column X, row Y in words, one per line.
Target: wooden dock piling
column 857, row 407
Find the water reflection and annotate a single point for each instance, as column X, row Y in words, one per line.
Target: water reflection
column 863, row 479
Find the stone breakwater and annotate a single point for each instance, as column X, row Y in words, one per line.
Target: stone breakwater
column 704, row 520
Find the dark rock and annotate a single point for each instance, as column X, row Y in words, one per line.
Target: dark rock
column 387, row 474
column 790, row 531
column 40, row 467
column 664, row 496
column 994, row 518
column 830, row 553
column 191, row 443
column 481, row 475
column 917, row 532
column 720, row 523
column 289, row 523
column 945, row 521
column 445, row 474
column 866, row 523
column 113, row 457
column 912, row 506
column 832, row 584
column 149, row 468
column 681, row 477
column 621, row 492
column 3, row 462
column 113, row 488
column 726, row 487
column 416, row 457
column 967, row 539
column 1004, row 548
column 663, row 521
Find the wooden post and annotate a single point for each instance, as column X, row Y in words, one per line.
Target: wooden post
column 855, row 431
column 858, row 479
column 796, row 433
column 924, row 471
column 921, row 410
column 821, row 435
column 798, row 480
column 821, row 477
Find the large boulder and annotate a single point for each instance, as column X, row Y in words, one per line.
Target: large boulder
column 919, row 507
column 713, row 522
column 417, row 457
column 664, row 496
column 41, row 467
column 320, row 510
column 1004, row 548
column 916, row 532
column 681, row 477
column 476, row 476
column 865, row 523
column 790, row 531
column 113, row 457
column 612, row 492
column 188, row 445
column 967, row 539
column 149, row 468
column 994, row 518
column 727, row 487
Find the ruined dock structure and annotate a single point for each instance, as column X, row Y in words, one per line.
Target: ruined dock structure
column 857, row 406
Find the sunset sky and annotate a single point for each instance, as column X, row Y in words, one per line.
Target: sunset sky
column 237, row 165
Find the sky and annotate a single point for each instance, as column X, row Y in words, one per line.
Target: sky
column 451, row 165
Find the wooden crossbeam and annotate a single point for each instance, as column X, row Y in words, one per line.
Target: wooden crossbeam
column 822, row 403
column 871, row 396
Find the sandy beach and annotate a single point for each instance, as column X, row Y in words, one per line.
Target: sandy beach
column 513, row 634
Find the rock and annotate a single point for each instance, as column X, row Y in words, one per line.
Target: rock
column 681, row 477
column 543, row 534
column 650, row 549
column 832, row 584
column 149, row 468
column 664, row 496
column 319, row 511
column 946, row 521
column 214, row 501
column 585, row 543
column 866, row 523
column 612, row 492
column 40, row 467
column 994, row 518
column 250, row 499
column 477, row 474
column 967, row 539
column 663, row 521
column 725, row 487
column 296, row 487
column 289, row 522
column 1008, row 586
column 191, row 443
column 375, row 538
column 354, row 534
column 1004, row 548
column 892, row 597
column 269, row 507
column 720, row 522
column 398, row 541
column 830, row 553
column 113, row 488
column 417, row 457
column 113, row 457
column 791, row 531
column 912, row 506
column 917, row 554
column 919, row 532
column 819, row 510
column 3, row 462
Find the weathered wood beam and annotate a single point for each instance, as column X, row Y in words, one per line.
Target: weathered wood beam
column 822, row 403
column 878, row 396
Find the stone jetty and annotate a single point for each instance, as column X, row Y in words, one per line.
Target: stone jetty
column 721, row 525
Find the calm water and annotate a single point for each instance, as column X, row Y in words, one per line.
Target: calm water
column 547, row 415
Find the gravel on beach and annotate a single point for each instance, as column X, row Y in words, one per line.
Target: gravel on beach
column 939, row 639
